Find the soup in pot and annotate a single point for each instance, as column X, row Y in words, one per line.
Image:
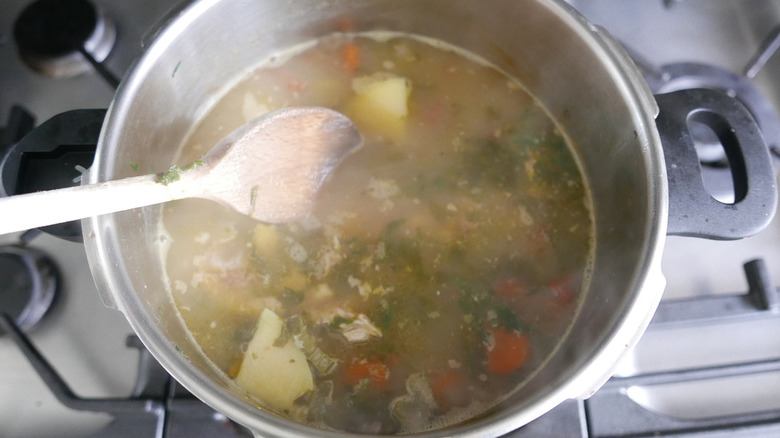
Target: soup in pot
column 443, row 262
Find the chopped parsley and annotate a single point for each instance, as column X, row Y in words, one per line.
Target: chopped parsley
column 174, row 172
column 338, row 321
column 181, row 351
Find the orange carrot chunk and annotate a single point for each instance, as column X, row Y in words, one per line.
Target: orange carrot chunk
column 373, row 370
column 450, row 388
column 351, row 56
column 507, row 352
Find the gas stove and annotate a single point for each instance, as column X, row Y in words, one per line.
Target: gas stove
column 709, row 365
column 84, row 341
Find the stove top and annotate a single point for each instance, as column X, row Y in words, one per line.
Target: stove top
column 82, row 339
column 711, row 353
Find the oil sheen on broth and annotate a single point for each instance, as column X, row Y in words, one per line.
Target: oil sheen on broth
column 442, row 265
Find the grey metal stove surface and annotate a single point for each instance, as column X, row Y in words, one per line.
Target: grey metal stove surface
column 83, row 340
column 728, row 366
column 725, row 34
column 86, row 342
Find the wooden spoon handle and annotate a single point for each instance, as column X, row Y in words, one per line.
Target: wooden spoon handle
column 33, row 210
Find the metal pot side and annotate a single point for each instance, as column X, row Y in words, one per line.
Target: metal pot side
column 580, row 75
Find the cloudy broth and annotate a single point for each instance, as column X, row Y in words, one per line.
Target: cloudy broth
column 442, row 265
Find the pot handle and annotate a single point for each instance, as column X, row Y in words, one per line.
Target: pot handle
column 692, row 210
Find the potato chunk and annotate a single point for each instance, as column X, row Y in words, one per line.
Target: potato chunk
column 265, row 239
column 276, row 375
column 380, row 104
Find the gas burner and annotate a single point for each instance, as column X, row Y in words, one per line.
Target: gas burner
column 63, row 38
column 30, row 281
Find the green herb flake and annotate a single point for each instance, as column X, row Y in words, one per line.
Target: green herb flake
column 174, row 172
column 386, row 318
column 338, row 321
column 134, row 166
column 507, row 318
column 180, row 350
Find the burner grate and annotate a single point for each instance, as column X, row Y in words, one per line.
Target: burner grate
column 612, row 413
column 159, row 407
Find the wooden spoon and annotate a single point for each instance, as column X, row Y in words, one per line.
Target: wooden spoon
column 270, row 169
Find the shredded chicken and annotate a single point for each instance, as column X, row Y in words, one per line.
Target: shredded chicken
column 360, row 330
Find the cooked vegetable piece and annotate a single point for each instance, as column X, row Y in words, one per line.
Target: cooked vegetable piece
column 450, row 388
column 265, row 239
column 351, row 55
column 506, row 351
column 276, row 375
column 374, row 370
column 380, row 104
column 323, row 363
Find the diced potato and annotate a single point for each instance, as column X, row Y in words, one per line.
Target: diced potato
column 276, row 375
column 380, row 104
column 295, row 280
column 265, row 239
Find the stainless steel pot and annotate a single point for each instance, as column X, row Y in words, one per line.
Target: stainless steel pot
column 575, row 69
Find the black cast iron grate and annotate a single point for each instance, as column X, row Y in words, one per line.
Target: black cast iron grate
column 158, row 406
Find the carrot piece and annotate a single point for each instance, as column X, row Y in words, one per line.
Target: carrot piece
column 351, row 56
column 449, row 388
column 355, row 372
column 373, row 370
column 507, row 352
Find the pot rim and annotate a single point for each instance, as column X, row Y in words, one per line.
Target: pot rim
column 99, row 238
